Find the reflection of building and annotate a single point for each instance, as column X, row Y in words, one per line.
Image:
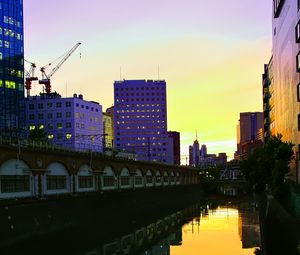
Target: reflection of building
column 249, row 133
column 12, row 105
column 69, row 122
column 140, row 118
column 249, row 227
column 175, row 136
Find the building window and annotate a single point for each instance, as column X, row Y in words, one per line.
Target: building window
column 40, row 106
column 41, row 116
column 138, row 180
column 50, row 126
column 108, row 181
column 68, row 104
column 14, row 183
column 297, row 31
column 50, row 115
column 85, row 182
column 58, row 115
column 68, row 114
column 50, row 136
column 125, row 181
column 298, row 122
column 49, row 105
column 59, row 126
column 149, row 179
column 58, row 105
column 298, row 62
column 277, row 5
column 31, row 107
column 68, row 136
column 31, row 116
column 55, row 182
column 68, row 125
column 298, row 92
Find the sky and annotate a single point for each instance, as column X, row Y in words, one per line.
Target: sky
column 211, row 54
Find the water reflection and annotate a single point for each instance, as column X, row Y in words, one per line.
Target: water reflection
column 207, row 229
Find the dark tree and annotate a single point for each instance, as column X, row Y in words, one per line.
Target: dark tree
column 269, row 165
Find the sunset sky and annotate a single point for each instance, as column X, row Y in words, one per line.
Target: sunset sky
column 211, row 53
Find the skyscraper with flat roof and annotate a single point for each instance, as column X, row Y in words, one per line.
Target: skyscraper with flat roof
column 140, row 118
column 12, row 105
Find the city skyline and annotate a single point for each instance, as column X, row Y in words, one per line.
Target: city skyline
column 177, row 36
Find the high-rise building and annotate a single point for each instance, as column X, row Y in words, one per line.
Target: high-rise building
column 140, row 118
column 12, row 105
column 68, row 122
column 248, row 130
column 286, row 68
column 176, row 146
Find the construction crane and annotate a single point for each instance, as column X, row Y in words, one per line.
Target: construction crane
column 46, row 77
column 30, row 77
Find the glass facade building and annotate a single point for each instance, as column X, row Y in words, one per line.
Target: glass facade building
column 12, row 105
column 284, row 86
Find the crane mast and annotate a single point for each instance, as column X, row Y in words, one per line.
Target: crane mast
column 46, row 79
column 30, row 77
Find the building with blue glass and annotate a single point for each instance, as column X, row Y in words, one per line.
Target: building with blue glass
column 12, row 104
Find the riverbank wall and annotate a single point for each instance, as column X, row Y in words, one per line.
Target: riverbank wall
column 38, row 219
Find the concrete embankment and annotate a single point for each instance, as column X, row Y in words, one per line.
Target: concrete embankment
column 280, row 229
column 33, row 221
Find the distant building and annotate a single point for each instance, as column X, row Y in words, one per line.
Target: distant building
column 12, row 103
column 68, row 122
column 190, row 155
column 196, row 153
column 176, row 146
column 203, row 151
column 140, row 118
column 249, row 130
column 108, row 130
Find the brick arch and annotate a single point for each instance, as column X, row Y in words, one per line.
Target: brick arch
column 59, row 162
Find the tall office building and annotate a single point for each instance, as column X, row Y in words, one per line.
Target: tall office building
column 248, row 130
column 140, row 118
column 12, row 105
column 176, row 146
column 286, row 69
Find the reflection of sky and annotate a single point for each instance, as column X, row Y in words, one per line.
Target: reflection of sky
column 210, row 52
column 217, row 233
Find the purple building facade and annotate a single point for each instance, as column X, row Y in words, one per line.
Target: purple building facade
column 140, row 118
column 68, row 122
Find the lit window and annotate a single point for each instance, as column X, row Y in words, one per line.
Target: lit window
column 31, row 127
column 68, row 136
column 41, row 127
column 50, row 136
column 6, row 44
column 59, row 126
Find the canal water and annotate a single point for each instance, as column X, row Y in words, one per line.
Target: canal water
column 211, row 228
column 214, row 227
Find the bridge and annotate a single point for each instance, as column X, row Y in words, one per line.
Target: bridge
column 35, row 171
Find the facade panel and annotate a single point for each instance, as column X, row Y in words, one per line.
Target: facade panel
column 12, row 105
